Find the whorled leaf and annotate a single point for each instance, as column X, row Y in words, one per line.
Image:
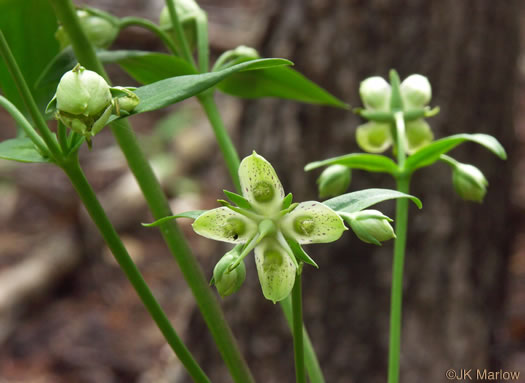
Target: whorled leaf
column 363, row 161
column 20, row 149
column 431, row 153
column 359, row 200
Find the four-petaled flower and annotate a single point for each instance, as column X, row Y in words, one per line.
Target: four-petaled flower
column 267, row 221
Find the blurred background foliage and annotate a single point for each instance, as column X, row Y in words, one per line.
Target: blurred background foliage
column 67, row 313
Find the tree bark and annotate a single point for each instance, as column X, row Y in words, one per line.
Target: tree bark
column 457, row 251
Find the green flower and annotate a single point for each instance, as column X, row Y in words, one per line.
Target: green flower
column 376, row 137
column 267, row 221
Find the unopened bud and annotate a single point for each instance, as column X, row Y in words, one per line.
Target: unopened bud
column 333, row 181
column 375, row 93
column 100, row 31
column 469, row 182
column 82, row 92
column 229, row 282
column 371, row 226
column 416, row 91
column 235, row 56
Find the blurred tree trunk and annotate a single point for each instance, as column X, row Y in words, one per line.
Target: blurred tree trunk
column 458, row 251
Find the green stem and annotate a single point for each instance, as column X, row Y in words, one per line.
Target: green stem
column 179, row 32
column 113, row 241
column 226, row 146
column 25, row 125
column 159, row 207
column 396, row 300
column 396, row 303
column 312, row 364
column 298, row 344
column 146, row 24
column 203, row 46
column 30, row 103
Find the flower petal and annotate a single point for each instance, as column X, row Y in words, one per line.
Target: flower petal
column 313, row 222
column 275, row 269
column 418, row 134
column 260, row 184
column 223, row 224
column 373, row 137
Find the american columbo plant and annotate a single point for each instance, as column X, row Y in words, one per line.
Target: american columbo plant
column 396, row 114
column 169, row 79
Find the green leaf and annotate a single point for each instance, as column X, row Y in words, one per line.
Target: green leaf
column 145, row 67
column 363, row 161
column 287, row 201
column 299, row 253
column 237, row 199
column 171, row 90
column 29, row 27
column 280, row 82
column 194, row 214
column 431, row 153
column 20, row 149
column 359, row 200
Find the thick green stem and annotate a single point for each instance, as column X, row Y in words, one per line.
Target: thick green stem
column 298, row 344
column 396, row 300
column 30, row 103
column 113, row 241
column 179, row 32
column 403, row 185
column 312, row 364
column 159, row 207
column 146, row 24
column 226, row 146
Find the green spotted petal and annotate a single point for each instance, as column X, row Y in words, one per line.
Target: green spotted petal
column 275, row 269
column 418, row 135
column 260, row 184
column 374, row 137
column 313, row 222
column 223, row 224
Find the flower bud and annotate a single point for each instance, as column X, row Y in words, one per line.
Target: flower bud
column 333, row 181
column 187, row 13
column 126, row 99
column 469, row 182
column 100, row 31
column 82, row 92
column 375, row 93
column 416, row 91
column 235, row 56
column 418, row 134
column 371, row 226
column 229, row 282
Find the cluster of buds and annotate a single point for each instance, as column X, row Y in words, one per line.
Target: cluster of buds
column 84, row 102
column 381, row 102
